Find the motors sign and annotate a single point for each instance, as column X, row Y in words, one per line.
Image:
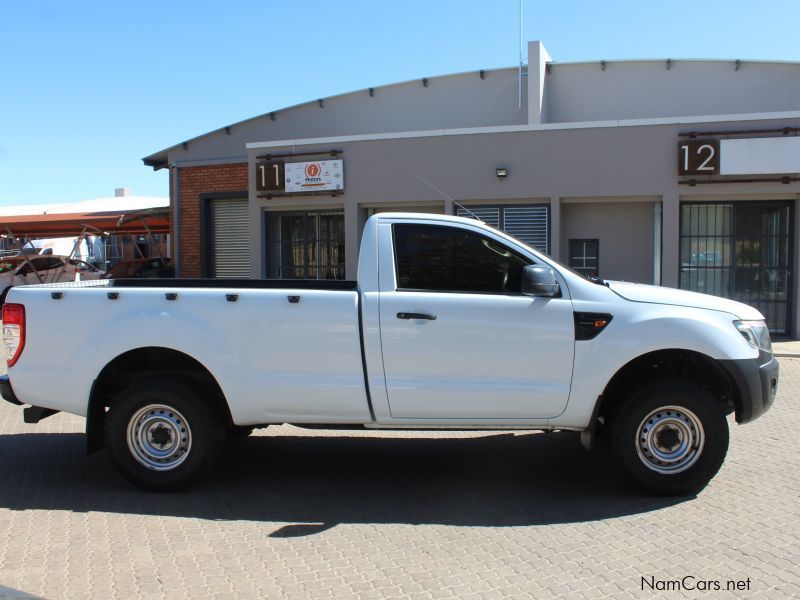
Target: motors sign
column 317, row 176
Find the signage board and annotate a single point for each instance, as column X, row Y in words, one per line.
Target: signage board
column 698, row 157
column 760, row 156
column 315, row 176
column 270, row 176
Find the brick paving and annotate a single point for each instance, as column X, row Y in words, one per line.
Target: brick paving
column 388, row 515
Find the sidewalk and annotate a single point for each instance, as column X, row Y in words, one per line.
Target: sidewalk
column 786, row 348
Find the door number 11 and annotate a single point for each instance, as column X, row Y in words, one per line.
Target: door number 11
column 270, row 177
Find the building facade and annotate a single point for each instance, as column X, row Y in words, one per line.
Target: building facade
column 667, row 172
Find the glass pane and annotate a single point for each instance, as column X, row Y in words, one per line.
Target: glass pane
column 448, row 259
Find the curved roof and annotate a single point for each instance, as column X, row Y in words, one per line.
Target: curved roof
column 572, row 92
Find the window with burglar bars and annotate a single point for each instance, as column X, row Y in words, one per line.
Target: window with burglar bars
column 584, row 256
column 740, row 250
column 309, row 245
column 529, row 224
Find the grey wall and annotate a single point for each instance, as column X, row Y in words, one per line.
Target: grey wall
column 563, row 163
column 454, row 101
column 625, row 234
column 639, row 89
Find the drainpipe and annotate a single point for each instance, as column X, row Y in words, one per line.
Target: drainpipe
column 657, row 243
column 176, row 218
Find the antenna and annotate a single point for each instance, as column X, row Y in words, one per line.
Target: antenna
column 519, row 78
column 458, row 204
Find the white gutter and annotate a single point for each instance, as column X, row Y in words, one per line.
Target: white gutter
column 793, row 114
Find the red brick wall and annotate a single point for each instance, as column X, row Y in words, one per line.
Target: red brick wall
column 193, row 182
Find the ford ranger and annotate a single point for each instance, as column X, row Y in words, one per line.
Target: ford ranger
column 451, row 324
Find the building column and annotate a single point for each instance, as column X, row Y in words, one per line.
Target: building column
column 795, row 291
column 538, row 58
column 670, row 248
column 352, row 234
column 555, row 227
column 657, row 229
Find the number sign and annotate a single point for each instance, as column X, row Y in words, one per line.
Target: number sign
column 270, row 176
column 698, row 157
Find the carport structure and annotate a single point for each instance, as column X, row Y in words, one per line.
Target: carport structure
column 147, row 221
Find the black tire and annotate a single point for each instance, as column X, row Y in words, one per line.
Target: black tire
column 690, row 434
column 153, row 412
column 238, row 432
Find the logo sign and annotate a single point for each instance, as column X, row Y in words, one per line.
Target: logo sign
column 318, row 176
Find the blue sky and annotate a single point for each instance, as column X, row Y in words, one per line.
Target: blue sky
column 89, row 88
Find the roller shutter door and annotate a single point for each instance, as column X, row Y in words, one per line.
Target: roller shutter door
column 530, row 224
column 229, row 234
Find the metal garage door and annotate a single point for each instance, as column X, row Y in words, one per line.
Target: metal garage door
column 229, row 237
column 530, row 224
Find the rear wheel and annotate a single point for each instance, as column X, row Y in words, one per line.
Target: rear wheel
column 163, row 433
column 670, row 437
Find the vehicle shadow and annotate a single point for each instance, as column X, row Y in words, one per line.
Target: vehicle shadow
column 313, row 483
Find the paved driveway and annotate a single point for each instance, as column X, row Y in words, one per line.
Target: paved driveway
column 375, row 515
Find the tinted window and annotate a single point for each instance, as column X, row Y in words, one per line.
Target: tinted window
column 47, row 263
column 430, row 257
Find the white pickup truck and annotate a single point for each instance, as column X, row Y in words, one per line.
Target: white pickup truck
column 452, row 324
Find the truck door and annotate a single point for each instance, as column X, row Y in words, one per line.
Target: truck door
column 460, row 341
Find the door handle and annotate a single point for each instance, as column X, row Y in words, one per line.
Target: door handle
column 408, row 315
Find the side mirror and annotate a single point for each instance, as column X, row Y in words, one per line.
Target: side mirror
column 539, row 281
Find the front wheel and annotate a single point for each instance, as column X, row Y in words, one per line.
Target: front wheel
column 670, row 437
column 163, row 433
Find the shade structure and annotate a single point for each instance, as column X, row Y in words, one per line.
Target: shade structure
column 157, row 220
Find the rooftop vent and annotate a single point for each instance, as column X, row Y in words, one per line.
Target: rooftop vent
column 122, row 192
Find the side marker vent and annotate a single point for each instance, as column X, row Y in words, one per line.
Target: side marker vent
column 589, row 325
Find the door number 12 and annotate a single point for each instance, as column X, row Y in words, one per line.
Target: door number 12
column 698, row 157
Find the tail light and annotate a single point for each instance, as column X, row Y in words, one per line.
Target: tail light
column 13, row 331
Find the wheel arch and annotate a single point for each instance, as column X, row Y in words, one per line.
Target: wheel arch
column 688, row 365
column 137, row 364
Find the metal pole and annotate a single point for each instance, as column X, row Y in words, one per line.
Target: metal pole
column 176, row 218
column 152, row 238
column 519, row 77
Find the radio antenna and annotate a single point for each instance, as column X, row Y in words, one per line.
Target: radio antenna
column 519, row 72
column 458, row 204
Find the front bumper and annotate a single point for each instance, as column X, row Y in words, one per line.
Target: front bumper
column 757, row 382
column 7, row 391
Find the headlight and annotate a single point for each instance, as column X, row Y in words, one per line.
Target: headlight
column 756, row 333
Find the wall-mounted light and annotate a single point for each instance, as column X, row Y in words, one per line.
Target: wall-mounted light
column 501, row 173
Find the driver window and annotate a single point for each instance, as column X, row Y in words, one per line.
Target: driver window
column 449, row 259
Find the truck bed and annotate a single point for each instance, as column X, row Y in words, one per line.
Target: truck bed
column 281, row 351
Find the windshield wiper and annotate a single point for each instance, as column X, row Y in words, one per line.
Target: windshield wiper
column 597, row 280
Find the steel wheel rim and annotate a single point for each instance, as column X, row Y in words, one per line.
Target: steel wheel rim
column 670, row 440
column 159, row 437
